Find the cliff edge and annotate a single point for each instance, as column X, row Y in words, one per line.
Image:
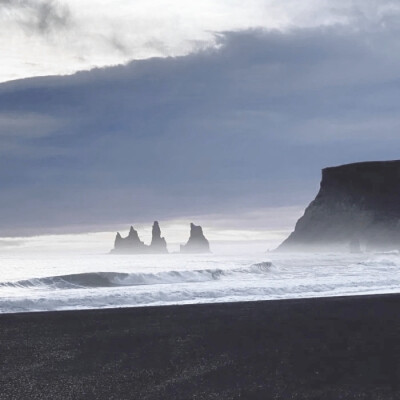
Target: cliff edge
column 357, row 203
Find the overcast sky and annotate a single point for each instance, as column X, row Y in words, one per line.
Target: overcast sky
column 216, row 111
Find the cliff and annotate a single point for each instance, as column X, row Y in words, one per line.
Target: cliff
column 197, row 242
column 133, row 245
column 357, row 204
column 130, row 244
column 158, row 243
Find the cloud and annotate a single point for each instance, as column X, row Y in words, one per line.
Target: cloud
column 26, row 125
column 41, row 16
column 52, row 37
column 222, row 131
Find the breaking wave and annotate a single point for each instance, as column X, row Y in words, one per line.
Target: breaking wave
column 220, row 279
column 116, row 279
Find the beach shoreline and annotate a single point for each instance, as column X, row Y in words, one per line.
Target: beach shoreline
column 316, row 348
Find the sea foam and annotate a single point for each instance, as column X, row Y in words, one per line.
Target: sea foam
column 82, row 282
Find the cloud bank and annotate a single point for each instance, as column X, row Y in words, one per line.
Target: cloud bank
column 223, row 131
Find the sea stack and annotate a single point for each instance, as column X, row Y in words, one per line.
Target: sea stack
column 130, row 244
column 356, row 203
column 197, row 242
column 158, row 243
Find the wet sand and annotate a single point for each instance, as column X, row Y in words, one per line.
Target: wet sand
column 332, row 348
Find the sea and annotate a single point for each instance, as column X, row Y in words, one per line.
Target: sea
column 30, row 283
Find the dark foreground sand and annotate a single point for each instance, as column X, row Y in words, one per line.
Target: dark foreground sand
column 338, row 348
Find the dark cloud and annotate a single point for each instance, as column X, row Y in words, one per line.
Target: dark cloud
column 226, row 131
column 41, row 16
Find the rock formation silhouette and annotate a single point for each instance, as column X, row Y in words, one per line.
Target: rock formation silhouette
column 361, row 201
column 197, row 242
column 158, row 243
column 130, row 244
column 133, row 245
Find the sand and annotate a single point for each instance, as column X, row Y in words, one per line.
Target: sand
column 331, row 348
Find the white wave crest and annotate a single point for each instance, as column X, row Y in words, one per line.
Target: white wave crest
column 115, row 279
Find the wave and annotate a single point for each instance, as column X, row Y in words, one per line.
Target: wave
column 390, row 252
column 146, row 296
column 116, row 279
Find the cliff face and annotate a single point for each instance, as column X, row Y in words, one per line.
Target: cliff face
column 133, row 245
column 158, row 243
column 197, row 242
column 130, row 244
column 356, row 203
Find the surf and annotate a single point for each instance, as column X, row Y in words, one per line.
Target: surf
column 116, row 279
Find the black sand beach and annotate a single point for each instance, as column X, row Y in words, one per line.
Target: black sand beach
column 332, row 348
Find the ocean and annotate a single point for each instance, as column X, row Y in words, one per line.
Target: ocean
column 87, row 281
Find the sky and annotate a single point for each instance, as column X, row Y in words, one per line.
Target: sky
column 46, row 37
column 119, row 113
